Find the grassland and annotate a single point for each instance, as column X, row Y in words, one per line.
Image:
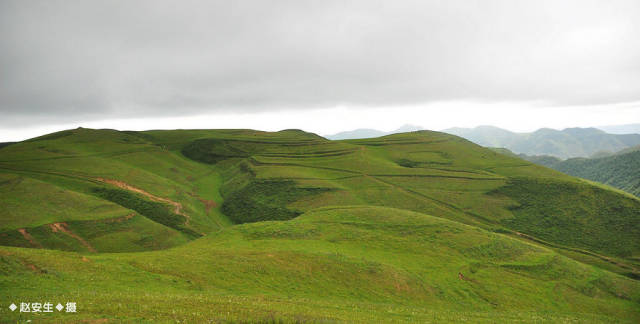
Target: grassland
column 241, row 225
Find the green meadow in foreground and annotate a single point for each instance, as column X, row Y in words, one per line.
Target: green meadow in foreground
column 249, row 226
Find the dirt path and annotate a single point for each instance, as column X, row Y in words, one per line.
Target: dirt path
column 589, row 253
column 118, row 219
column 63, row 227
column 29, row 238
column 177, row 207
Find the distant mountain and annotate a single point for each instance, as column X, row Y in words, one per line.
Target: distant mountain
column 489, row 136
column 406, row 128
column 567, row 143
column 371, row 133
column 621, row 129
column 357, row 133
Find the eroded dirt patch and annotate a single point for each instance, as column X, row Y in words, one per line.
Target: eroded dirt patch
column 208, row 204
column 123, row 185
column 29, row 238
column 64, row 228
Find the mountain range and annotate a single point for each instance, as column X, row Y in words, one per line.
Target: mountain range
column 563, row 144
column 566, row 143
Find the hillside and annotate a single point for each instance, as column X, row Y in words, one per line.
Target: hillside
column 236, row 225
column 5, row 144
column 567, row 143
column 105, row 191
column 621, row 171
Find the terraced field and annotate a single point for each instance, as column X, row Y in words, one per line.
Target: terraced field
column 242, row 225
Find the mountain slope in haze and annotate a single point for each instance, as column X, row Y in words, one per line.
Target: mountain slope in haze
column 357, row 133
column 370, row 133
column 621, row 129
column 289, row 226
column 488, row 136
column 567, row 143
column 621, row 171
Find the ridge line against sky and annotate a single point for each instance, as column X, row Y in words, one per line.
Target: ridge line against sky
column 344, row 119
column 322, row 66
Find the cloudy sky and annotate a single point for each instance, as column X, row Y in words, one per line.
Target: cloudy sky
column 323, row 66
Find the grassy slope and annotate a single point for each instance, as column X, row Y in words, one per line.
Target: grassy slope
column 329, row 263
column 356, row 264
column 53, row 179
column 449, row 177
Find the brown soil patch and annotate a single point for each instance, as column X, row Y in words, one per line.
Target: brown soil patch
column 29, row 238
column 208, row 204
column 462, row 277
column 123, row 185
column 31, row 266
column 64, row 228
column 399, row 283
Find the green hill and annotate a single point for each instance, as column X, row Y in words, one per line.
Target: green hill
column 567, row 143
column 242, row 225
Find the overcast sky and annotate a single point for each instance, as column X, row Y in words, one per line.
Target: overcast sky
column 323, row 66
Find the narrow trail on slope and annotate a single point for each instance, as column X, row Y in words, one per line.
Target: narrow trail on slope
column 63, row 227
column 120, row 184
column 29, row 238
column 119, row 219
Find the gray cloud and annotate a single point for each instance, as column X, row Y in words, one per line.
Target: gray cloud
column 68, row 60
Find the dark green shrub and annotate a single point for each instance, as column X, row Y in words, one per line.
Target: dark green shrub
column 265, row 200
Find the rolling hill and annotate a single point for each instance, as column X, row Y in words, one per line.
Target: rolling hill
column 567, row 143
column 243, row 225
